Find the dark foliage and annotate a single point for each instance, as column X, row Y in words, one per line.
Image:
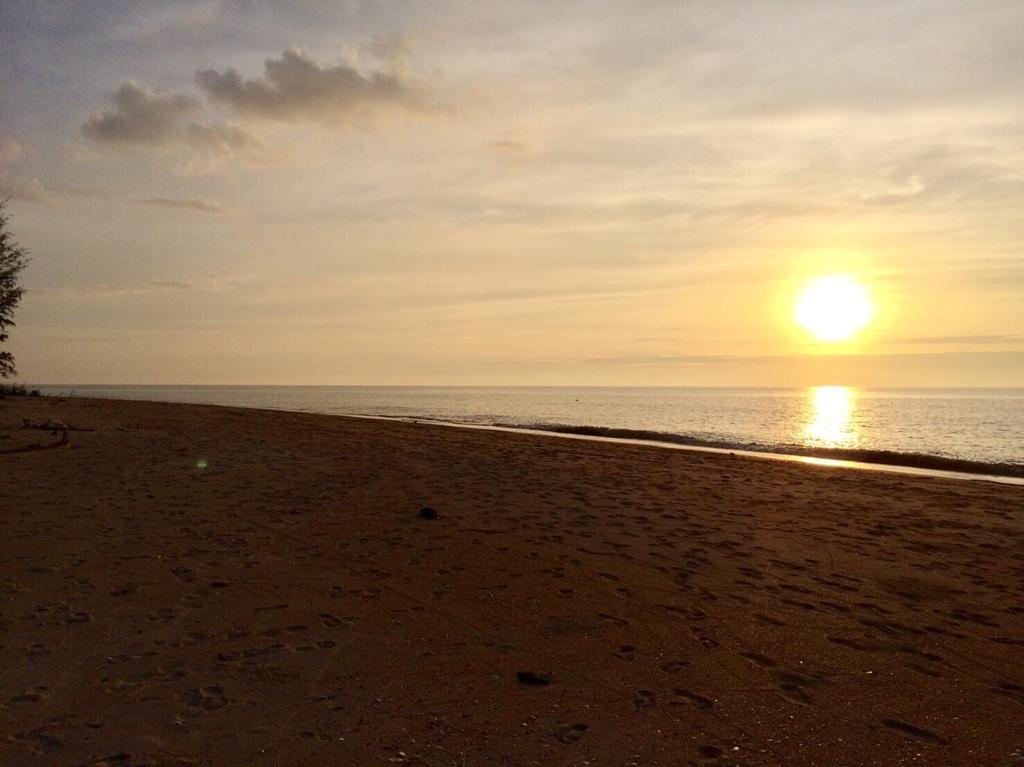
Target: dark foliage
column 18, row 390
column 13, row 259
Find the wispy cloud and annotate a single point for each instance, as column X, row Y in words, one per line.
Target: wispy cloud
column 673, row 359
column 131, row 288
column 953, row 340
column 188, row 204
column 219, row 138
column 14, row 185
column 11, row 150
column 29, row 190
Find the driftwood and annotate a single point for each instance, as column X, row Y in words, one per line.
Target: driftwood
column 65, row 441
column 50, row 426
column 56, row 428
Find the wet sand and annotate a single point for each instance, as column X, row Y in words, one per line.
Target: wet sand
column 189, row 585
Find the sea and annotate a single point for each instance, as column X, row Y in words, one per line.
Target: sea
column 970, row 430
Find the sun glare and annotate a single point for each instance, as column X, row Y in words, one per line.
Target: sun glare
column 830, row 420
column 833, row 308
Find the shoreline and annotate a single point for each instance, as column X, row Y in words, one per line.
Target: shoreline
column 916, row 464
column 867, row 460
column 187, row 585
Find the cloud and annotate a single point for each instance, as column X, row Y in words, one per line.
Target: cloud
column 11, row 150
column 898, row 192
column 30, row 190
column 940, row 340
column 143, row 118
column 167, row 23
column 219, row 138
column 854, row 360
column 392, row 49
column 76, row 152
column 140, row 116
column 15, row 187
column 676, row 359
column 137, row 288
column 294, row 86
column 509, row 147
column 186, row 204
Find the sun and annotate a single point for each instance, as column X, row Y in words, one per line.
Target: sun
column 833, row 308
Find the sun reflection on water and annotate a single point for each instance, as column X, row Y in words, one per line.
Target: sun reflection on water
column 830, row 421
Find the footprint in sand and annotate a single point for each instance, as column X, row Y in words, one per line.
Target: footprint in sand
column 207, row 698
column 694, row 699
column 39, row 738
column 794, row 693
column 1009, row 640
column 570, row 733
column 853, row 644
column 794, row 685
column 370, row 593
column 1010, row 690
column 268, row 608
column 758, row 660
column 32, row 696
column 625, row 652
column 37, row 651
column 331, row 701
column 710, row 754
column 114, row 760
column 673, row 666
column 643, row 699
column 262, row 652
column 183, row 573
column 914, row 733
column 922, row 669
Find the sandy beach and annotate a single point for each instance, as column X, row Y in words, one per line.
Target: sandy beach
column 190, row 585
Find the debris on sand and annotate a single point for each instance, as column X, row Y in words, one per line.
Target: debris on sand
column 533, row 679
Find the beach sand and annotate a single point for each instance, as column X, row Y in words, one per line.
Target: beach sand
column 189, row 585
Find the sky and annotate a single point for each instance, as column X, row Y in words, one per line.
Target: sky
column 571, row 193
